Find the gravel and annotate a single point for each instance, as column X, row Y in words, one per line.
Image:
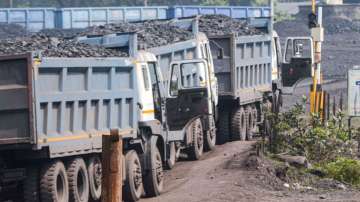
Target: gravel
column 214, row 25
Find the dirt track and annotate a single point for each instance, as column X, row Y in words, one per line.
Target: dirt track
column 221, row 176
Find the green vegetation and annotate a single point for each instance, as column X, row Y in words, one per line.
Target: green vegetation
column 326, row 144
column 319, row 142
column 344, row 170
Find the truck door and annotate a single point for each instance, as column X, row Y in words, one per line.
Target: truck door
column 298, row 60
column 188, row 93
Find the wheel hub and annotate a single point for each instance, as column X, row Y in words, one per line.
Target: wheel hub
column 97, row 174
column 137, row 177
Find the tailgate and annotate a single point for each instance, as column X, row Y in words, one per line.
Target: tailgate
column 15, row 95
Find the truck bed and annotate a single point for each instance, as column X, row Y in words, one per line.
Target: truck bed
column 66, row 104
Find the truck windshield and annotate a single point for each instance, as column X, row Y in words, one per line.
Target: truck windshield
column 193, row 75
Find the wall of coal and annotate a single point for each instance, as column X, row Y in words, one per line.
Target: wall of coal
column 348, row 11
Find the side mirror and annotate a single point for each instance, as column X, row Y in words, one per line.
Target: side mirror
column 220, row 54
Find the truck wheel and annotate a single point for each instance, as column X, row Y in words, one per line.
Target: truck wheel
column 95, row 174
column 210, row 135
column 250, row 123
column 133, row 187
column 31, row 185
column 78, row 180
column 197, row 148
column 54, row 185
column 223, row 132
column 172, row 156
column 154, row 180
column 238, row 124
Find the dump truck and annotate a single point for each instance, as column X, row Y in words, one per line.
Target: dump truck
column 191, row 100
column 54, row 112
column 252, row 73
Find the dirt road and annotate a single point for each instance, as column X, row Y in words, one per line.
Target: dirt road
column 222, row 176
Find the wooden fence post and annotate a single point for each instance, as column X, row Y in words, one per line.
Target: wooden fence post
column 112, row 167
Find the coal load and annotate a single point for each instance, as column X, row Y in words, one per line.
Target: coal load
column 55, row 47
column 150, row 33
column 215, row 25
column 62, row 33
column 11, row 31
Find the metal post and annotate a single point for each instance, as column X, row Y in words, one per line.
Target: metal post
column 349, row 127
column 112, row 167
column 341, row 101
column 11, row 3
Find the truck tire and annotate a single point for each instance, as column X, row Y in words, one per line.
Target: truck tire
column 54, row 185
column 154, row 180
column 78, row 180
column 95, row 174
column 133, row 187
column 210, row 135
column 31, row 184
column 238, row 124
column 196, row 149
column 170, row 162
column 223, row 132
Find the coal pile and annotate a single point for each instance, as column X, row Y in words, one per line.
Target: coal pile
column 54, row 47
column 62, row 33
column 293, row 28
column 11, row 31
column 150, row 33
column 337, row 25
column 213, row 25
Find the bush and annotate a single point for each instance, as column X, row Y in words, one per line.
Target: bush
column 345, row 170
column 318, row 141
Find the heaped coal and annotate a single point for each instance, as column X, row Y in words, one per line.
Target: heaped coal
column 62, row 33
column 213, row 25
column 54, row 47
column 11, row 31
column 151, row 33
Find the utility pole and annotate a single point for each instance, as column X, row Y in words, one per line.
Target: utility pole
column 112, row 167
column 11, row 3
column 317, row 33
column 145, row 2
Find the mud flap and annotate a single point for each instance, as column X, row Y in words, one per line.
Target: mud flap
column 150, row 146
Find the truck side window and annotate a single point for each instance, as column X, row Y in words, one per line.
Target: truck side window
column 145, row 77
column 174, row 81
column 155, row 89
column 193, row 75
